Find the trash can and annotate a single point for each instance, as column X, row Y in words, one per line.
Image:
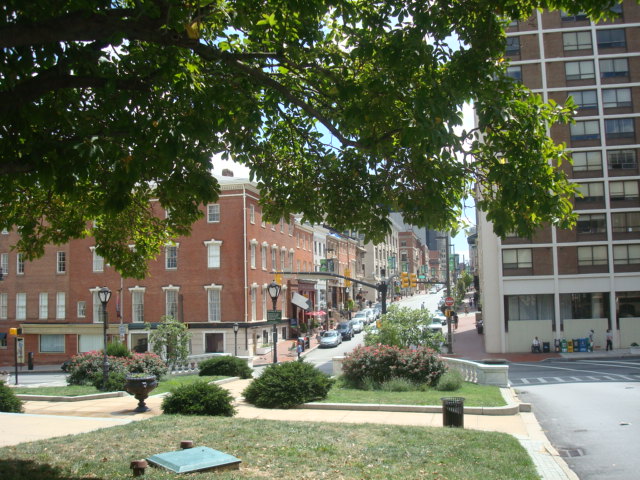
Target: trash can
column 546, row 347
column 452, row 412
column 30, row 360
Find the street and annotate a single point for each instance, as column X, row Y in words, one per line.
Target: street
column 553, row 371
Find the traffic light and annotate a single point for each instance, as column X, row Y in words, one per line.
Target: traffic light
column 413, row 280
column 404, row 279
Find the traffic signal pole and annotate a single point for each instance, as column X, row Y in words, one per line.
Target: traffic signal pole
column 449, row 331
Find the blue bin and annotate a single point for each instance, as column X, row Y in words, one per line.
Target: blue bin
column 583, row 344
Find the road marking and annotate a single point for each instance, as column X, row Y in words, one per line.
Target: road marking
column 541, row 380
column 564, row 368
column 626, row 377
column 608, row 377
column 577, row 379
column 595, row 379
column 558, row 379
column 618, row 364
column 525, row 381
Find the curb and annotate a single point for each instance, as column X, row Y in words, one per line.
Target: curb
column 79, row 398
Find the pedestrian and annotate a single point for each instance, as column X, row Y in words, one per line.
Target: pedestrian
column 299, row 350
column 609, row 339
column 590, row 346
column 455, row 320
column 422, row 306
column 535, row 346
column 466, row 309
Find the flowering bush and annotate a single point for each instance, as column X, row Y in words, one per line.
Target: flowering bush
column 380, row 363
column 87, row 368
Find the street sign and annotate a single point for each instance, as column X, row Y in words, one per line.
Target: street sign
column 274, row 315
column 422, row 277
column 449, row 301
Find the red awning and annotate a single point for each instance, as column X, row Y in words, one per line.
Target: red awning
column 316, row 314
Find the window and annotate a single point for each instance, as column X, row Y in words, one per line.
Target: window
column 616, row 97
column 513, row 46
column 581, row 70
column 171, row 257
column 612, row 38
column 61, row 305
column 137, row 305
column 52, row 343
column 213, row 213
column 252, row 213
column 576, row 41
column 517, row 258
column 626, row 254
column 89, row 343
column 254, row 294
column 283, row 259
column 81, row 309
column 213, row 303
column 263, row 256
column 591, row 223
column 98, row 261
column 622, row 159
column 625, row 222
column 43, row 306
column 591, row 192
column 274, row 251
column 213, row 343
column 171, row 301
column 529, row 307
column 213, row 253
column 623, row 190
column 97, row 306
column 585, row 99
column 585, row 130
column 20, row 263
column 265, row 294
column 592, row 255
column 584, row 305
column 619, row 128
column 21, row 306
column 253, row 253
column 614, row 67
column 570, row 17
column 61, row 264
column 586, row 161
column 291, row 260
column 4, row 306
column 4, row 263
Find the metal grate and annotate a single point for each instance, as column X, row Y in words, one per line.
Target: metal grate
column 571, row 452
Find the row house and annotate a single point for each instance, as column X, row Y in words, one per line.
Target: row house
column 210, row 280
column 563, row 283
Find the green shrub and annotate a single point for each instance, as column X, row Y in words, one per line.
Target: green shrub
column 398, row 384
column 450, row 381
column 288, row 384
column 382, row 362
column 118, row 349
column 225, row 365
column 115, row 381
column 84, row 368
column 8, row 400
column 199, row 398
column 148, row 363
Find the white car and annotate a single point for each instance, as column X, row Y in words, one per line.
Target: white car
column 358, row 325
column 371, row 314
column 361, row 316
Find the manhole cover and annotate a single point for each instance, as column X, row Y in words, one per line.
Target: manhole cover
column 571, row 452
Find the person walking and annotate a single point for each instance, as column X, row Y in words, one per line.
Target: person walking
column 455, row 320
column 609, row 340
column 299, row 350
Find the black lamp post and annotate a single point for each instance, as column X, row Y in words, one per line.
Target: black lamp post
column 274, row 293
column 104, row 294
column 236, row 327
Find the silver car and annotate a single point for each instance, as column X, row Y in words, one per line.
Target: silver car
column 332, row 338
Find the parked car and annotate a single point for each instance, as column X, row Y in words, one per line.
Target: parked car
column 346, row 330
column 332, row 338
column 439, row 317
column 371, row 316
column 358, row 325
column 361, row 317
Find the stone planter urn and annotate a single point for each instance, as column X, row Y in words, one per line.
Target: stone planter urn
column 4, row 376
column 140, row 385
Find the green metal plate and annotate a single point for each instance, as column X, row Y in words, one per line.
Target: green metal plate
column 194, row 459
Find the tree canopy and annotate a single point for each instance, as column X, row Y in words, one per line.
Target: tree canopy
column 343, row 110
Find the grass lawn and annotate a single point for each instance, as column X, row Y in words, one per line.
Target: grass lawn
column 282, row 450
column 474, row 395
column 75, row 390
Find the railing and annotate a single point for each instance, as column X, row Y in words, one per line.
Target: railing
column 192, row 364
column 473, row 372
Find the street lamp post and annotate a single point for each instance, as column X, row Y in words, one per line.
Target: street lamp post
column 236, row 327
column 274, row 293
column 104, row 294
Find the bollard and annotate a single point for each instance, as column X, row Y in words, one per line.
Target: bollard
column 138, row 467
column 184, row 444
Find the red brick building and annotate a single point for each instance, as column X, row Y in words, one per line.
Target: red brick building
column 209, row 280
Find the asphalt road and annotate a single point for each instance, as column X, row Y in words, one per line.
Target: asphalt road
column 554, row 371
column 595, row 426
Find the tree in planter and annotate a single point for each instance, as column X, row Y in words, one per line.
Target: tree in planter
column 170, row 340
column 404, row 328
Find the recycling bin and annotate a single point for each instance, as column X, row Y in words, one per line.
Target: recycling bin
column 563, row 345
column 452, row 411
column 546, row 348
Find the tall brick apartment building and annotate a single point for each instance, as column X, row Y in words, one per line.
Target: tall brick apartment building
column 561, row 283
column 210, row 280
